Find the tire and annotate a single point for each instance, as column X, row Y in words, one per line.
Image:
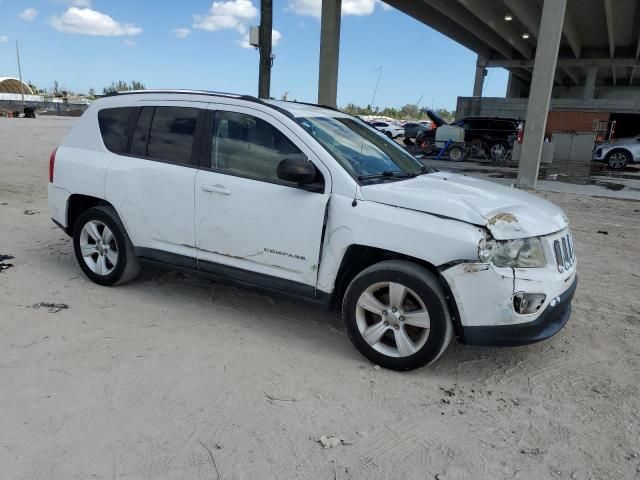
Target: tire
column 618, row 159
column 499, row 147
column 373, row 288
column 456, row 153
column 112, row 259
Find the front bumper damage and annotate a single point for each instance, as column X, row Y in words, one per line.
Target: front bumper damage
column 484, row 296
column 552, row 319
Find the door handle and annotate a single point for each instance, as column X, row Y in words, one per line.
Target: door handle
column 216, row 189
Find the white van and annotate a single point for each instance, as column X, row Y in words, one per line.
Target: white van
column 314, row 203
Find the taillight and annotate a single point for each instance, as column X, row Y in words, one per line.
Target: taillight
column 52, row 164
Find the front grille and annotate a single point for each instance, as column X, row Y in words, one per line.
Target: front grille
column 564, row 252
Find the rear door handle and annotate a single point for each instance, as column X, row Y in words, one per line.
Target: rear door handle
column 216, row 189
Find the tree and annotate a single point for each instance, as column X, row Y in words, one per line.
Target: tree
column 56, row 89
column 447, row 115
column 410, row 110
column 123, row 86
column 92, row 93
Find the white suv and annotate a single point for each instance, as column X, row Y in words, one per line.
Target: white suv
column 314, row 203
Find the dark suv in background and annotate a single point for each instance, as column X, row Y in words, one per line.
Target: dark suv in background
column 497, row 134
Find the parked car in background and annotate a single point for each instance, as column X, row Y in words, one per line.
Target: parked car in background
column 426, row 137
column 411, row 129
column 311, row 202
column 496, row 134
column 426, row 124
column 389, row 129
column 618, row 153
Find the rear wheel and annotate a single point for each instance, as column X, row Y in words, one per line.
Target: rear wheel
column 499, row 149
column 103, row 248
column 396, row 315
column 388, row 134
column 456, row 153
column 618, row 159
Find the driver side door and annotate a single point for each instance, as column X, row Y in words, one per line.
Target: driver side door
column 247, row 219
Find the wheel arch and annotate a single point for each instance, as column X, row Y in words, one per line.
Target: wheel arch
column 358, row 257
column 619, row 149
column 78, row 203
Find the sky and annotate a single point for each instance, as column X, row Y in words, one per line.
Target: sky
column 201, row 44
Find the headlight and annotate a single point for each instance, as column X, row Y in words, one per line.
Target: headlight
column 519, row 253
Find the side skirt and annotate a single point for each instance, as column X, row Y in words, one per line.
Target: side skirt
column 233, row 276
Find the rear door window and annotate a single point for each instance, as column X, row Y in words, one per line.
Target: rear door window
column 172, row 134
column 113, row 128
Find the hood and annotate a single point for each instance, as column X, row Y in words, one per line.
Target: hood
column 506, row 212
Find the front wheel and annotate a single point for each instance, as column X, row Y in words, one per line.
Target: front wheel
column 396, row 315
column 103, row 248
column 618, row 159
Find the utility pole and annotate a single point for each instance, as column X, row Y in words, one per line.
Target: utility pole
column 266, row 26
column 20, row 75
column 375, row 91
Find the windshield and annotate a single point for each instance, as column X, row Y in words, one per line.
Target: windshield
column 361, row 150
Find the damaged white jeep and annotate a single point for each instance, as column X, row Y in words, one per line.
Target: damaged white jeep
column 311, row 202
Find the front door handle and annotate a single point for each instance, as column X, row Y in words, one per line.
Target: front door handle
column 216, row 189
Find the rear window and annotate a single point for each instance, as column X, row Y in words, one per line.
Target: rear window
column 504, row 125
column 113, row 128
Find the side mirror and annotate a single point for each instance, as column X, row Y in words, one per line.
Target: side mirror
column 296, row 170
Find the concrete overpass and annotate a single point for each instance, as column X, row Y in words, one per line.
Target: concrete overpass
column 567, row 46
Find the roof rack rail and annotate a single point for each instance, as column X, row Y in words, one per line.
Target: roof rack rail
column 247, row 98
column 335, row 109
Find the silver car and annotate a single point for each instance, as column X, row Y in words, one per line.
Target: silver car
column 618, row 153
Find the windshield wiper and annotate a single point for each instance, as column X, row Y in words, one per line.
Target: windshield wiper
column 387, row 174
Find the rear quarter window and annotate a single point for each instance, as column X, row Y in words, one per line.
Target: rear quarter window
column 113, row 128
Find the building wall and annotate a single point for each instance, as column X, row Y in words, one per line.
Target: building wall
column 573, row 121
column 627, row 93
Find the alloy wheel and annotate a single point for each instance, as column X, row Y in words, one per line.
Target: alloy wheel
column 617, row 160
column 98, row 247
column 393, row 319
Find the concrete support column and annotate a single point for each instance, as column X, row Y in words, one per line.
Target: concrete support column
column 544, row 70
column 590, row 83
column 515, row 87
column 481, row 72
column 329, row 52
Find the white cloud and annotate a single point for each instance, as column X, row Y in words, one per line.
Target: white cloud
column 234, row 14
column 276, row 36
column 29, row 14
column 358, row 7
column 4, row 39
column 130, row 43
column 80, row 3
column 85, row 21
column 385, row 6
column 181, row 32
column 349, row 7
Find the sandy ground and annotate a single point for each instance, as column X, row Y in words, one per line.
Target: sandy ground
column 176, row 377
